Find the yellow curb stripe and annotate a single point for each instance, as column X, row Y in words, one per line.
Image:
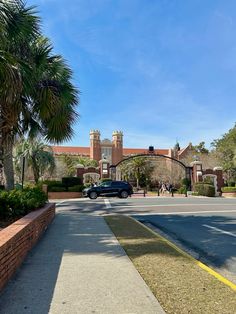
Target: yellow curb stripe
column 200, row 264
column 217, row 275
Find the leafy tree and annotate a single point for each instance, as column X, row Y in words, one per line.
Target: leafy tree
column 38, row 156
column 201, row 153
column 200, row 148
column 87, row 162
column 36, row 93
column 71, row 162
column 137, row 167
column 225, row 149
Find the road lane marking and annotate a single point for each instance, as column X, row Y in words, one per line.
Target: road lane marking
column 62, row 202
column 200, row 264
column 171, row 205
column 107, row 203
column 221, row 231
column 186, row 212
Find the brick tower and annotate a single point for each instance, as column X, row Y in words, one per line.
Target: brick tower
column 95, row 145
column 117, row 147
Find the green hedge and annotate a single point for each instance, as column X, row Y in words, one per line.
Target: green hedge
column 65, row 185
column 71, row 181
column 182, row 190
column 204, row 189
column 18, row 203
column 57, row 189
column 76, row 188
column 228, row 189
column 52, row 184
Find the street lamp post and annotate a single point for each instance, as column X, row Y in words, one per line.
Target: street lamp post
column 23, row 172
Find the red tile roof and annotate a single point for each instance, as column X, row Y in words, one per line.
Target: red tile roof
column 75, row 150
column 58, row 150
column 130, row 151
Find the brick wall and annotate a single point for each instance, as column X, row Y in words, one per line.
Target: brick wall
column 17, row 239
column 63, row 195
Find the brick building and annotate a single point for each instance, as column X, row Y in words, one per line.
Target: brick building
column 113, row 149
column 112, row 152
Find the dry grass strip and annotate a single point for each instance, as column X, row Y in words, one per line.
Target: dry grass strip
column 180, row 285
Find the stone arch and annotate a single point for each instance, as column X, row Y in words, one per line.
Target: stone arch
column 116, row 175
column 90, row 176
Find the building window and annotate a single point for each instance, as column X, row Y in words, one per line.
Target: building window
column 107, row 153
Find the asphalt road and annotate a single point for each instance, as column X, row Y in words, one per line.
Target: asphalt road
column 205, row 227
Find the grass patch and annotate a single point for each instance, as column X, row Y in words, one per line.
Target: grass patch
column 178, row 283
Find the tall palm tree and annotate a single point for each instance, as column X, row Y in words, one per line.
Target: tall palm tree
column 41, row 98
column 18, row 25
column 38, row 156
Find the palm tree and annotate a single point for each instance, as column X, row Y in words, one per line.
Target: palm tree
column 36, row 93
column 18, row 26
column 71, row 162
column 38, row 156
column 137, row 167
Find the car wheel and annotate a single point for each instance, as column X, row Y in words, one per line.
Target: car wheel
column 93, row 195
column 124, row 194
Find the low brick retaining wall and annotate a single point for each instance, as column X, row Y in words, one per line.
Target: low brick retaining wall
column 17, row 239
column 63, row 195
column 229, row 194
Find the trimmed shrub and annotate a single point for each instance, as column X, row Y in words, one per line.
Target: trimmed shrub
column 18, row 203
column 4, row 205
column 230, row 189
column 204, row 189
column 186, row 182
column 51, row 183
column 231, row 184
column 57, row 189
column 182, row 190
column 76, row 188
column 71, row 181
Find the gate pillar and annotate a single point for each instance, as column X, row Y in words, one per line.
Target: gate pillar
column 196, row 171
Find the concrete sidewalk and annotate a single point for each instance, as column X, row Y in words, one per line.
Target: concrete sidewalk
column 78, row 267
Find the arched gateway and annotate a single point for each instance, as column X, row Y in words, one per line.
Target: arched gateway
column 170, row 162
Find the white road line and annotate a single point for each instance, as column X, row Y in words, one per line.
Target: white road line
column 171, row 205
column 107, row 203
column 62, row 202
column 186, row 212
column 221, row 231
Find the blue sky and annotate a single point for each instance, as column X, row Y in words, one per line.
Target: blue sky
column 158, row 70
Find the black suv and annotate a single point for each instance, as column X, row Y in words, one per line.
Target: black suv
column 109, row 188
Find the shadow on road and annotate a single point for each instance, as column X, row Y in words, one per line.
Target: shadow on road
column 191, row 230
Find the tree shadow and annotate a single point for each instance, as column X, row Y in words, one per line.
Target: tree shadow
column 33, row 284
column 197, row 233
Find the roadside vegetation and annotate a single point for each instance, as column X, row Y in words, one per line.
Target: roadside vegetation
column 17, row 203
column 66, row 184
column 179, row 284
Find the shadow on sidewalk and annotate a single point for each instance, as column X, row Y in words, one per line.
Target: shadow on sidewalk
column 31, row 288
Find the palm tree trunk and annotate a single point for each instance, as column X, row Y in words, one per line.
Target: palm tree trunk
column 8, row 162
column 1, row 148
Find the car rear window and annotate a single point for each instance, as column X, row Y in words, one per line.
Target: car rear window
column 116, row 183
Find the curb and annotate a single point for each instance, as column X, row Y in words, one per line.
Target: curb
column 200, row 264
